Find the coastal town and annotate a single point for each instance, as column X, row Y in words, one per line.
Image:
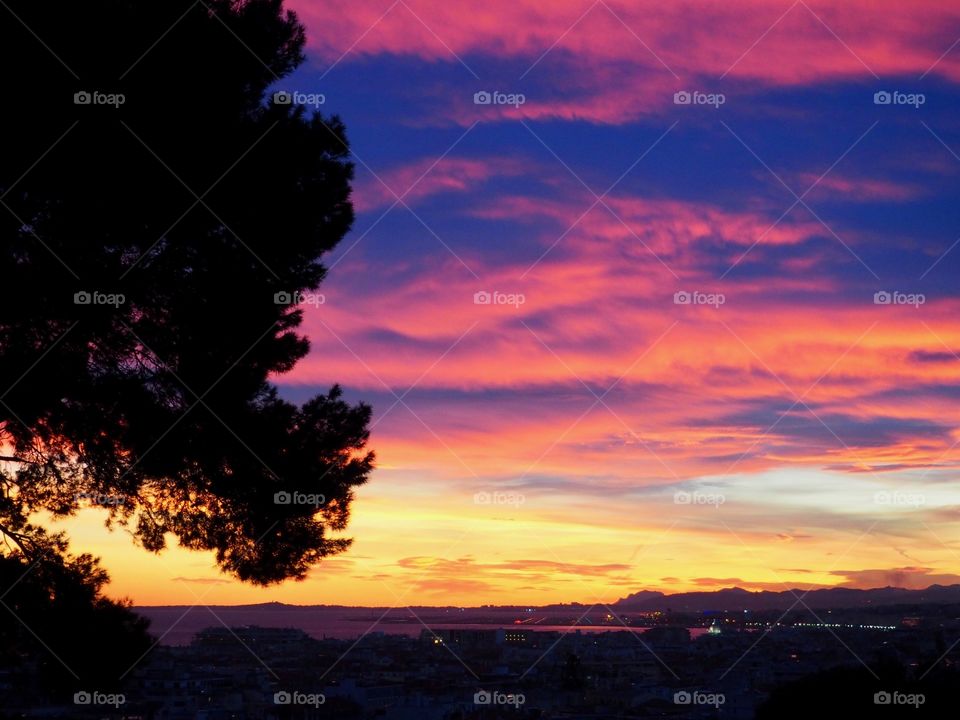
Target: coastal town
column 726, row 668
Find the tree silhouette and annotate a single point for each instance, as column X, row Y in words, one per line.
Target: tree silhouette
column 69, row 637
column 161, row 215
column 853, row 692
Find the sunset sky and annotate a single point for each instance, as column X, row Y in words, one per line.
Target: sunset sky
column 813, row 430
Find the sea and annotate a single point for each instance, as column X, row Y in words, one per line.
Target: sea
column 177, row 625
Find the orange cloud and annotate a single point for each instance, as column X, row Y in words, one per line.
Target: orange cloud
column 913, row 578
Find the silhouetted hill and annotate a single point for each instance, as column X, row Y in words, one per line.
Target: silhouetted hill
column 178, row 624
column 739, row 599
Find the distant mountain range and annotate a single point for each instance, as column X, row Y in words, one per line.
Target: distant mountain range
column 728, row 599
column 177, row 625
column 827, row 598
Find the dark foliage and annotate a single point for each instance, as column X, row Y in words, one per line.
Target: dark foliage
column 198, row 200
column 884, row 691
column 61, row 635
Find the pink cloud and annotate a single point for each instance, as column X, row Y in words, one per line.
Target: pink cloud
column 680, row 371
column 616, row 61
column 598, row 307
column 846, row 188
column 427, row 177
